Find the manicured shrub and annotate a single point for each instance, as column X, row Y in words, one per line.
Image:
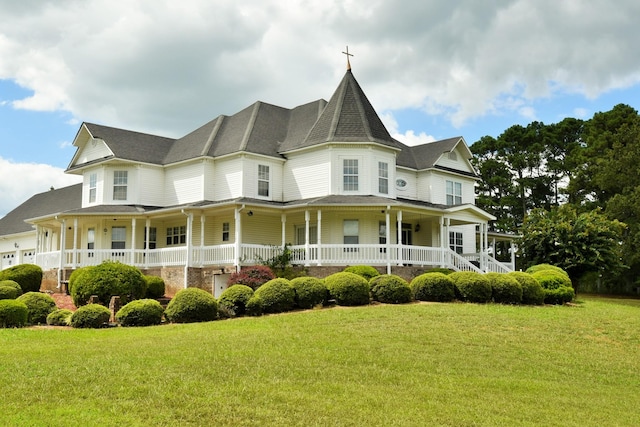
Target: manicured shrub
column 254, row 306
column 277, row 295
column 504, row 288
column 253, row 277
column 76, row 276
column 556, row 285
column 446, row 271
column 348, row 288
column 13, row 313
column 28, row 276
column 365, row 271
column 532, row 292
column 545, row 267
column 8, row 292
column 90, row 316
column 155, row 287
column 39, row 306
column 433, row 287
column 59, row 317
column 142, row 312
column 106, row 280
column 12, row 284
column 390, row 289
column 559, row 296
column 192, row 305
column 471, row 286
column 234, row 299
column 310, row 291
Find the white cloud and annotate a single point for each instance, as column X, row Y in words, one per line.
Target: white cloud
column 166, row 67
column 30, row 179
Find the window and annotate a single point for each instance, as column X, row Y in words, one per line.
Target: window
column 454, row 193
column 93, row 183
column 176, row 235
column 382, row 235
column 383, row 178
column 152, row 237
column 350, row 233
column 301, row 231
column 91, row 238
column 118, row 237
column 225, row 231
column 455, row 241
column 263, row 180
column 350, row 174
column 120, row 185
column 453, row 156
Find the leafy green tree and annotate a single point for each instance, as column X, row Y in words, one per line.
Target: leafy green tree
column 576, row 242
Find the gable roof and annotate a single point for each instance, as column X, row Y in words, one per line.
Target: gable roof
column 47, row 203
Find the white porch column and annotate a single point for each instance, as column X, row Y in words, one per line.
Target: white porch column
column 63, row 234
column 75, row 243
column 513, row 255
column 400, row 243
column 238, row 233
column 189, row 240
column 38, row 237
column 307, row 218
column 133, row 241
column 387, row 238
column 147, row 225
column 283, row 229
column 202, row 222
column 447, row 224
column 319, row 239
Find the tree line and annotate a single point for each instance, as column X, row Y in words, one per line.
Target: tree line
column 571, row 190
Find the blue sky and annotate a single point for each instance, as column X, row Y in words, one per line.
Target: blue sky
column 432, row 69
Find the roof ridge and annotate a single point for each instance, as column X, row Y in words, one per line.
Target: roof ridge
column 212, row 135
column 250, row 125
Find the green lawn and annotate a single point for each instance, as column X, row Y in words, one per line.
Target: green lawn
column 418, row 364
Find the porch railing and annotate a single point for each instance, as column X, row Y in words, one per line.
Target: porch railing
column 332, row 254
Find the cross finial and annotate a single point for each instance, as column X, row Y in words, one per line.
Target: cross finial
column 348, row 55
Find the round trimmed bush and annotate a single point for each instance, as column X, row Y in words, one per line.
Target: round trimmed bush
column 90, row 316
column 277, row 296
column 253, row 277
column 365, row 271
column 13, row 313
column 106, row 280
column 471, row 286
column 12, row 284
column 76, row 276
column 155, row 287
column 59, row 317
column 504, row 288
column 433, row 286
column 559, row 296
column 142, row 312
column 532, row 292
column 234, row 299
column 310, row 291
column 390, row 289
column 39, row 306
column 28, row 276
column 254, row 306
column 8, row 292
column 546, row 267
column 192, row 305
column 348, row 288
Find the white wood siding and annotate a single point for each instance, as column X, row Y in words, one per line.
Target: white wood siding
column 209, row 180
column 151, row 185
column 228, row 181
column 93, row 149
column 133, row 193
column 307, row 175
column 460, row 163
column 184, row 184
column 437, row 182
column 100, row 186
column 251, row 178
column 410, row 191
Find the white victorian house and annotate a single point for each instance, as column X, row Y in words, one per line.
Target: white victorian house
column 325, row 178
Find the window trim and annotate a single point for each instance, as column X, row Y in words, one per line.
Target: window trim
column 226, row 231
column 93, row 187
column 122, row 240
column 264, row 178
column 176, row 235
column 456, row 242
column 350, row 175
column 383, row 177
column 354, row 237
column 451, row 192
column 120, row 185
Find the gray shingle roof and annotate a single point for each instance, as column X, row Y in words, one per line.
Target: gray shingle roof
column 270, row 130
column 47, row 203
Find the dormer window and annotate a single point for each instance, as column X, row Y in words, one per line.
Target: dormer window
column 350, row 174
column 453, row 156
column 454, row 193
column 120, row 179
